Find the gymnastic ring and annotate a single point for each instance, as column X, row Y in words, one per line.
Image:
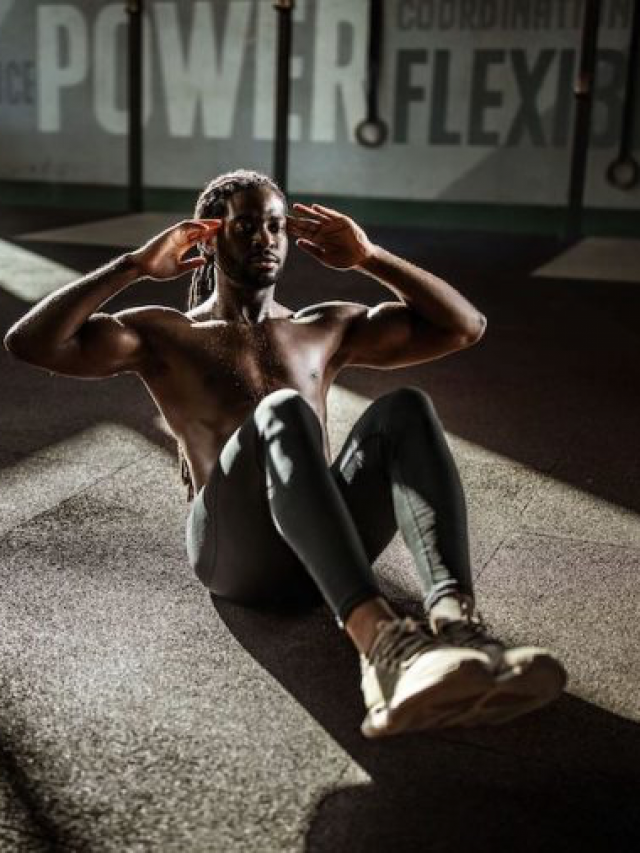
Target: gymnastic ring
column 371, row 133
column 624, row 172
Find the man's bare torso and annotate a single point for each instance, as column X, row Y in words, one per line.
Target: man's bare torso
column 206, row 376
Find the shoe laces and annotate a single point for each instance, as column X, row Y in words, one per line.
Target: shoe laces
column 399, row 642
column 470, row 632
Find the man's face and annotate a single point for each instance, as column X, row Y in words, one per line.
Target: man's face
column 251, row 246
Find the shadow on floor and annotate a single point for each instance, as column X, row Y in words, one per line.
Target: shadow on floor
column 561, row 778
column 31, row 828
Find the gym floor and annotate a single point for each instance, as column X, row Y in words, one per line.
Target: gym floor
column 135, row 714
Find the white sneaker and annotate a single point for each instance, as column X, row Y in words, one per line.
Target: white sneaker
column 525, row 678
column 410, row 682
column 530, row 678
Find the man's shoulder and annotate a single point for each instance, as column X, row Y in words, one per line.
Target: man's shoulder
column 151, row 316
column 334, row 311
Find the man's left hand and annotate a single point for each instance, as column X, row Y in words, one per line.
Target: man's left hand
column 331, row 237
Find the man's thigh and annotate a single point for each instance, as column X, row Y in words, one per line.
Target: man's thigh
column 235, row 547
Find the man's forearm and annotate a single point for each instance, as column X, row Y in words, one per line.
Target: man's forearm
column 427, row 294
column 58, row 317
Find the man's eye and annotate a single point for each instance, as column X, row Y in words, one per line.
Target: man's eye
column 276, row 227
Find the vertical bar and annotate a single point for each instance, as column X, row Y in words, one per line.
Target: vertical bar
column 376, row 24
column 583, row 92
column 284, row 9
column 134, row 69
column 626, row 134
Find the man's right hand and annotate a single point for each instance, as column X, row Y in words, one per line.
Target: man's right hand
column 161, row 257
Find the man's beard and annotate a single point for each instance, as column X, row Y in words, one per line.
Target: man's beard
column 246, row 275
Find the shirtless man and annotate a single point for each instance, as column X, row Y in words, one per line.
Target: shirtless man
column 242, row 382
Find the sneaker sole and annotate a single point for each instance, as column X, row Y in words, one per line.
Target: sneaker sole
column 433, row 704
column 525, row 688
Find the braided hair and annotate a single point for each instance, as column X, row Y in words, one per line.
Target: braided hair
column 212, row 204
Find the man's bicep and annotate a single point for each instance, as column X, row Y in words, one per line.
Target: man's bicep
column 105, row 345
column 393, row 335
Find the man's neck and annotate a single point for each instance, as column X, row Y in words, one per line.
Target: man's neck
column 236, row 304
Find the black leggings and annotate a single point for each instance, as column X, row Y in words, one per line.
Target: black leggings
column 275, row 523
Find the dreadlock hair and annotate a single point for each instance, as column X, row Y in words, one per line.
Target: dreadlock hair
column 212, row 204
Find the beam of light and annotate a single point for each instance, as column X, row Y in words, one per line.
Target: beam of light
column 66, row 468
column 126, row 232
column 549, row 502
column 597, row 259
column 28, row 275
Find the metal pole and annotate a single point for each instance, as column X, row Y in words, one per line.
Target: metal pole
column 624, row 172
column 134, row 68
column 583, row 91
column 283, row 89
column 628, row 115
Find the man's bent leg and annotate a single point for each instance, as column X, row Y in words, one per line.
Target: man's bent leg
column 409, row 682
column 396, row 471
column 271, row 516
column 306, row 505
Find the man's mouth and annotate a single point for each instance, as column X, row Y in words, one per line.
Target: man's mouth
column 265, row 261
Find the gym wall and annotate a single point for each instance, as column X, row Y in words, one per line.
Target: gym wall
column 477, row 95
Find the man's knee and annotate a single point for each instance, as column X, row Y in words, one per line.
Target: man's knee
column 281, row 409
column 408, row 404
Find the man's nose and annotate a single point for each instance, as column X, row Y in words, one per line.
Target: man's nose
column 264, row 236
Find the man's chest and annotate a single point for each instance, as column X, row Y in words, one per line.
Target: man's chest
column 236, row 362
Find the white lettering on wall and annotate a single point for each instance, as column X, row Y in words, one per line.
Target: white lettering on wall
column 265, row 79
column 206, row 77
column 5, row 8
column 54, row 74
column 111, row 23
column 336, row 85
